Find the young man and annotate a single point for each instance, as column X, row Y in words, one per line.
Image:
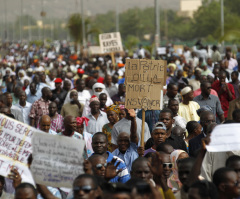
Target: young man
column 56, row 119
column 172, row 93
column 40, row 107
column 99, row 145
column 24, row 106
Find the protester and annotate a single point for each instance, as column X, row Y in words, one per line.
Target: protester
column 172, row 93
column 56, row 119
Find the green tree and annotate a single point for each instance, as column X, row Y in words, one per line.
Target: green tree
column 75, row 28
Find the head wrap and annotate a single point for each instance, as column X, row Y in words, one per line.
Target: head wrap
column 80, row 71
column 99, row 85
column 80, row 120
column 174, row 177
column 94, row 98
column 114, row 108
column 172, row 65
column 186, row 90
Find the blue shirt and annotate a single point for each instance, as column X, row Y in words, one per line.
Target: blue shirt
column 32, row 98
column 129, row 156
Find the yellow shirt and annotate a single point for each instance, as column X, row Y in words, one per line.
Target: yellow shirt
column 189, row 112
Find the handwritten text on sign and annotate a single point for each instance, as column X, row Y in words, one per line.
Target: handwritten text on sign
column 57, row 160
column 110, row 42
column 15, row 147
column 144, row 82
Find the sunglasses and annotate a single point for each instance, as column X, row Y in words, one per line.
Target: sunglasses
column 169, row 165
column 86, row 189
column 99, row 166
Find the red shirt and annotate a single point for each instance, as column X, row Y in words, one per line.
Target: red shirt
column 224, row 98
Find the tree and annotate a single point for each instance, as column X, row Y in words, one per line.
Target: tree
column 75, row 28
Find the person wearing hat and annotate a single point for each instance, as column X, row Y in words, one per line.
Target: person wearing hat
column 80, row 74
column 188, row 108
column 97, row 118
column 74, row 107
column 59, row 94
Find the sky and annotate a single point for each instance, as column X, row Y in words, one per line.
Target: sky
column 61, row 8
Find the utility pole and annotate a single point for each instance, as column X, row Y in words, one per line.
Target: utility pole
column 117, row 16
column 222, row 18
column 157, row 25
column 83, row 25
column 5, row 20
column 21, row 18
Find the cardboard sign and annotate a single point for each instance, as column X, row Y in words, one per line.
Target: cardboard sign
column 15, row 147
column 110, row 42
column 225, row 137
column 57, row 160
column 144, row 81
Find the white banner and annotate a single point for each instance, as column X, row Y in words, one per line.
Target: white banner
column 15, row 147
column 110, row 42
column 57, row 160
column 225, row 137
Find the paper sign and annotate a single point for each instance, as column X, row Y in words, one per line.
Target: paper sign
column 95, row 50
column 178, row 49
column 144, row 81
column 161, row 51
column 225, row 137
column 57, row 160
column 110, row 42
column 15, row 147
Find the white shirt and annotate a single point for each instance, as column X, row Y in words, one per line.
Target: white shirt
column 82, row 97
column 94, row 125
column 25, row 111
column 124, row 125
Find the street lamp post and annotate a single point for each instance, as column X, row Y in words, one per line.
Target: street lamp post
column 117, row 16
column 222, row 18
column 83, row 25
column 157, row 25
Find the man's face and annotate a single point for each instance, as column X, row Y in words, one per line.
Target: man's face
column 167, row 165
column 49, row 94
column 9, row 99
column 123, row 142
column 166, row 119
column 232, row 185
column 174, row 106
column 159, row 136
column 74, row 96
column 99, row 144
column 95, row 106
column 33, row 89
column 52, row 109
column 25, row 193
column 80, row 86
column 122, row 89
column 103, row 100
column 22, row 97
column 99, row 166
column 222, row 77
column 142, row 171
column 236, row 166
column 67, row 86
column 108, row 80
column 206, row 89
column 172, row 92
column 72, row 124
column 84, row 189
column 58, row 85
column 45, row 125
column 184, row 171
column 207, row 120
column 234, row 77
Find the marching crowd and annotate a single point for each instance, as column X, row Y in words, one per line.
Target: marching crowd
column 64, row 94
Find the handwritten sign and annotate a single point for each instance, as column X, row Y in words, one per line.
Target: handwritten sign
column 225, row 137
column 144, row 81
column 57, row 160
column 15, row 147
column 94, row 50
column 178, row 49
column 161, row 51
column 110, row 42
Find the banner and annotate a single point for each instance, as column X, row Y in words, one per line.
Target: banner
column 144, row 81
column 110, row 42
column 57, row 160
column 15, row 147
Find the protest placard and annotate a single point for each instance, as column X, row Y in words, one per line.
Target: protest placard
column 144, row 81
column 161, row 51
column 95, row 50
column 110, row 42
column 57, row 160
column 15, row 147
column 178, row 49
column 223, row 139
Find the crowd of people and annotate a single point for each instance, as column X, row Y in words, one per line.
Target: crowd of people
column 63, row 94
